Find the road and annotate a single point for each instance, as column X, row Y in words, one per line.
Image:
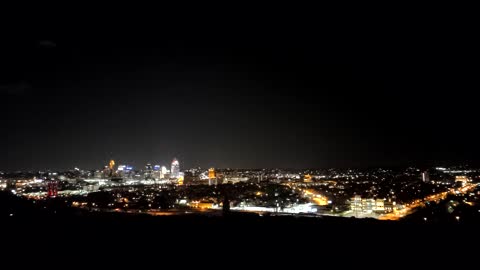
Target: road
column 412, row 206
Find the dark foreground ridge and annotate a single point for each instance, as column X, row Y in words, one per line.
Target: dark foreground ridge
column 71, row 232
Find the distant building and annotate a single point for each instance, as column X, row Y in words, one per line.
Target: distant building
column 462, row 179
column 111, row 165
column 91, row 187
column 362, row 205
column 234, row 180
column 212, row 181
column 211, row 173
column 124, row 171
column 389, row 205
column 368, row 205
column 379, row 205
column 425, row 177
column 107, row 172
column 202, row 204
column 180, row 179
column 175, row 169
column 148, row 174
column 157, row 172
column 356, row 204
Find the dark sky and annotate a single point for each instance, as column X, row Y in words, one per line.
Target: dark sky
column 263, row 94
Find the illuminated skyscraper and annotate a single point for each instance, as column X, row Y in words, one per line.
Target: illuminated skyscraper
column 157, row 172
column 175, row 171
column 111, row 165
column 425, row 177
column 148, row 171
column 211, row 173
column 148, row 167
column 212, row 177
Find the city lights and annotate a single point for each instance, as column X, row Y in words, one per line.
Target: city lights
column 337, row 193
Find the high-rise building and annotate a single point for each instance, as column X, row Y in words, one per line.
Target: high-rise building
column 148, row 167
column 164, row 170
column 425, row 177
column 107, row 172
column 157, row 172
column 111, row 165
column 148, row 171
column 175, row 169
column 211, row 173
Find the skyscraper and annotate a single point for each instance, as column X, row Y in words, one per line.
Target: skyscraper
column 425, row 177
column 211, row 173
column 148, row 171
column 111, row 165
column 212, row 177
column 157, row 172
column 163, row 172
column 175, row 169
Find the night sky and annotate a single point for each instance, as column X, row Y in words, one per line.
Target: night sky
column 247, row 96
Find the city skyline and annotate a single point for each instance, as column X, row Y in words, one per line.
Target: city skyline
column 401, row 194
column 247, row 132
column 138, row 166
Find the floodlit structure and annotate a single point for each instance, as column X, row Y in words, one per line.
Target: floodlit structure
column 379, row 205
column 356, row 204
column 425, row 177
column 211, row 173
column 111, row 165
column 462, row 179
column 368, row 205
column 175, row 169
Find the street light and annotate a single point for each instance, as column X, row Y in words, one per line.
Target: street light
column 458, row 218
